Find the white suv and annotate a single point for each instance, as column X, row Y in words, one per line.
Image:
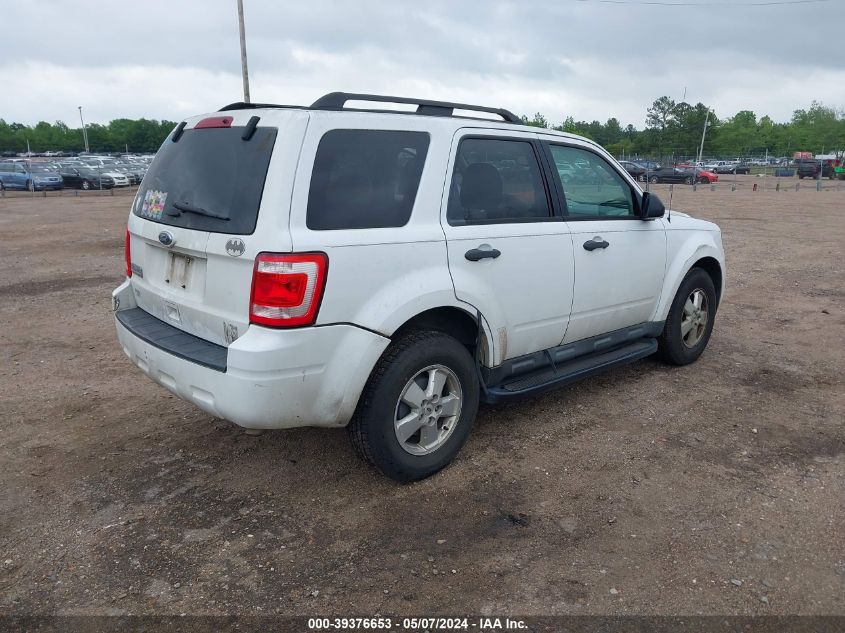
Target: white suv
column 387, row 271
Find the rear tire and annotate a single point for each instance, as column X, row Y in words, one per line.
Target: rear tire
column 654, row 180
column 86, row 185
column 404, row 398
column 690, row 321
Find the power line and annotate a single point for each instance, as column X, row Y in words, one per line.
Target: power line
column 711, row 3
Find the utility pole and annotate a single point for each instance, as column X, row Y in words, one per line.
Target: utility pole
column 244, row 71
column 703, row 134
column 84, row 131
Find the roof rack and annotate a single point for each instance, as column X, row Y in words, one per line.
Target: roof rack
column 241, row 105
column 337, row 101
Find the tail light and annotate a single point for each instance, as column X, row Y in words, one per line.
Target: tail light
column 287, row 289
column 127, row 255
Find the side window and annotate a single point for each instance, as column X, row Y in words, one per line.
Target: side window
column 495, row 182
column 592, row 187
column 365, row 179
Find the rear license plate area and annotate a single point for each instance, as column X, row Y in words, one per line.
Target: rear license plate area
column 178, row 270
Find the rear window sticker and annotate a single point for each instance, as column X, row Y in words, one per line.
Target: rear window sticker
column 154, row 204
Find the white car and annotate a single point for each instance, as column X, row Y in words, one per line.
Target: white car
column 120, row 179
column 387, row 271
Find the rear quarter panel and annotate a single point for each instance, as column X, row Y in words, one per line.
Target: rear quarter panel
column 380, row 278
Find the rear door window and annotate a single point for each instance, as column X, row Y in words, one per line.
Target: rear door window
column 497, row 181
column 210, row 180
column 365, row 179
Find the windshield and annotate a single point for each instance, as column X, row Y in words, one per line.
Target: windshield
column 210, row 180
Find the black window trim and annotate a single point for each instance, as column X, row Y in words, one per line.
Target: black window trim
column 635, row 196
column 552, row 200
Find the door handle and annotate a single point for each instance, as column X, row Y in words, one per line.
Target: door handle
column 595, row 243
column 475, row 254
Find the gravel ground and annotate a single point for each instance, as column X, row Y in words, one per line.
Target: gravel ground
column 715, row 488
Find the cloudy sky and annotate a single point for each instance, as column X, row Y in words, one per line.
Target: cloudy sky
column 591, row 59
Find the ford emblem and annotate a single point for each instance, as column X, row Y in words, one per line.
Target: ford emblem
column 166, row 238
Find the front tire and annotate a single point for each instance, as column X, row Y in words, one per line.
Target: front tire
column 86, row 185
column 654, row 180
column 418, row 407
column 690, row 321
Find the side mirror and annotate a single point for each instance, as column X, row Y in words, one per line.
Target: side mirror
column 651, row 207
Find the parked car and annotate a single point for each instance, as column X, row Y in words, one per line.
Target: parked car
column 21, row 175
column 671, row 175
column 809, row 168
column 648, row 165
column 705, row 177
column 733, row 168
column 110, row 169
column 637, row 171
column 309, row 266
column 13, row 175
column 45, row 177
column 85, row 178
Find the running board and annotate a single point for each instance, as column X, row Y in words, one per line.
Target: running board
column 552, row 377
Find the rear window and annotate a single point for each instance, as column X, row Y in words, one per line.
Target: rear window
column 365, row 179
column 210, row 180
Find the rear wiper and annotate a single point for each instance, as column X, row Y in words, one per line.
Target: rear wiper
column 189, row 208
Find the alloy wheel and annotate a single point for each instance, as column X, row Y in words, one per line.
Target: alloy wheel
column 695, row 317
column 428, row 410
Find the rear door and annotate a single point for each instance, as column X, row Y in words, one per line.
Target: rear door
column 211, row 201
column 619, row 258
column 510, row 254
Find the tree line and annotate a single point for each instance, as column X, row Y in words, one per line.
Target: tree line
column 675, row 129
column 671, row 129
column 136, row 135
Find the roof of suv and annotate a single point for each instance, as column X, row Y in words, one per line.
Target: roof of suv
column 336, row 102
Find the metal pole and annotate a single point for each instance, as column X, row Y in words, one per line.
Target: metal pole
column 84, row 131
column 703, row 134
column 244, row 71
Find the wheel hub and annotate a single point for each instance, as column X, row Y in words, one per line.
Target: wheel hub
column 428, row 410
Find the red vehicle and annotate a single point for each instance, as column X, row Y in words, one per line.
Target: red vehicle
column 703, row 176
column 706, row 177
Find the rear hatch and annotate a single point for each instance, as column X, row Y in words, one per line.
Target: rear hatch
column 214, row 196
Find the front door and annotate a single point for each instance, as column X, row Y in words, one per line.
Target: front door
column 510, row 254
column 619, row 258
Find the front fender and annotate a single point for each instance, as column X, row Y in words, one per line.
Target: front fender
column 685, row 249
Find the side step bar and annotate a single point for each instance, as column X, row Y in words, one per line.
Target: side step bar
column 552, row 377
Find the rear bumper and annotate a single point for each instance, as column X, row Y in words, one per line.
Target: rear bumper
column 273, row 378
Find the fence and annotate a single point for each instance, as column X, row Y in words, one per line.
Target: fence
column 749, row 183
column 131, row 190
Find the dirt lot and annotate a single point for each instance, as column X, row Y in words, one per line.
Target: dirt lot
column 715, row 488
